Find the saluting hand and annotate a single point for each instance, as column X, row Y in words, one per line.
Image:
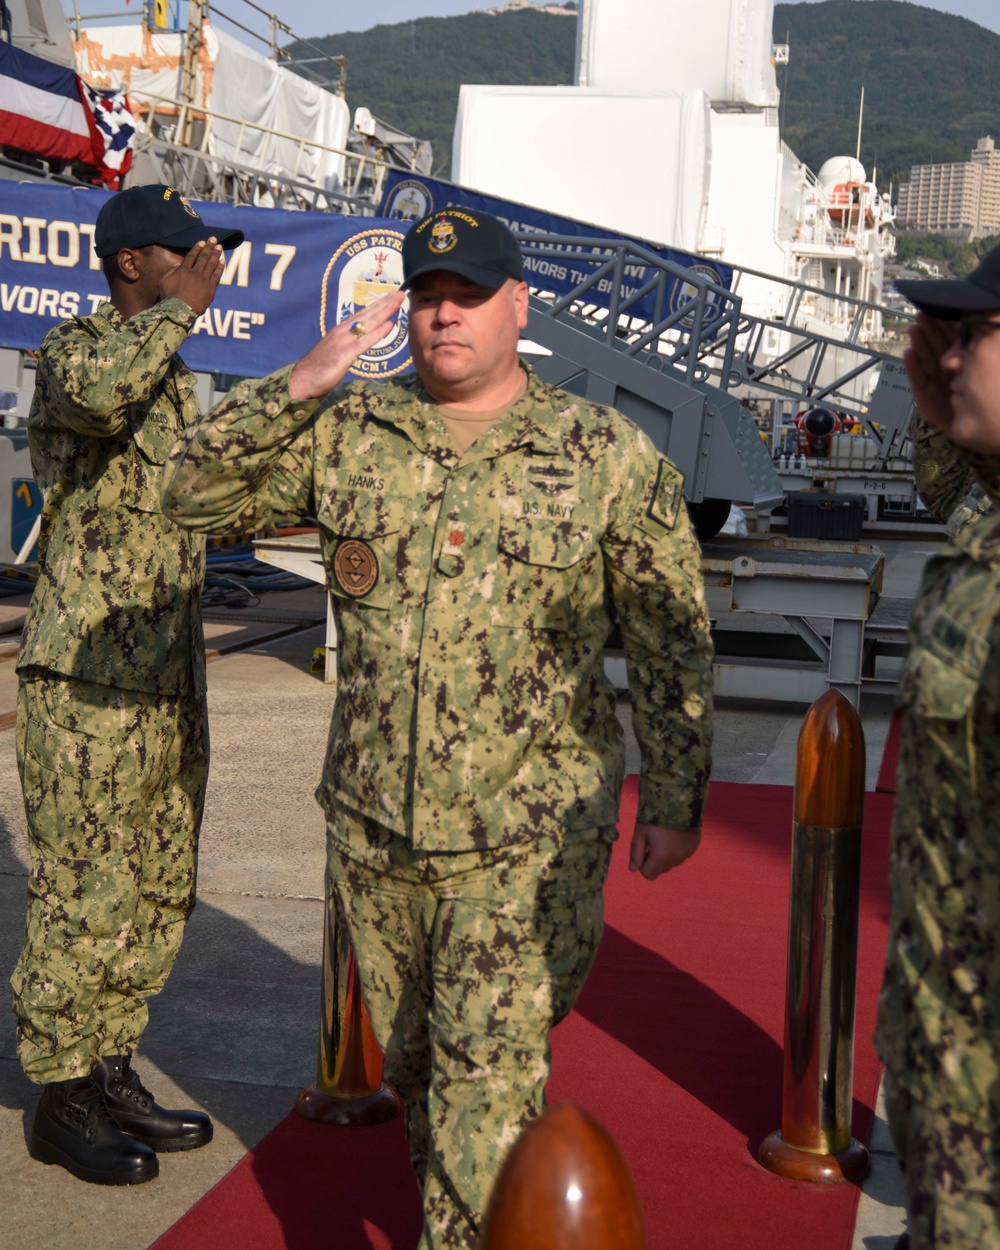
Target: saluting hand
column 930, row 338
column 325, row 365
column 196, row 279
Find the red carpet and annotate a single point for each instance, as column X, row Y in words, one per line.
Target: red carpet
column 675, row 1046
column 886, row 781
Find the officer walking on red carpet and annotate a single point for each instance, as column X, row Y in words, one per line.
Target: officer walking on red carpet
column 481, row 531
column 939, row 1023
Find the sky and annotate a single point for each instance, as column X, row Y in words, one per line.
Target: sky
column 307, row 18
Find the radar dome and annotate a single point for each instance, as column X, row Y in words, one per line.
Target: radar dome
column 840, row 169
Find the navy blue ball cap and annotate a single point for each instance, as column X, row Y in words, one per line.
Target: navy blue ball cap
column 140, row 216
column 949, row 298
column 466, row 241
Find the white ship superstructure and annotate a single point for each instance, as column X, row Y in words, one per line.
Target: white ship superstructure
column 669, row 136
column 671, row 133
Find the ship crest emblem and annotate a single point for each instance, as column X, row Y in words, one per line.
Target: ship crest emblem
column 408, row 201
column 186, row 203
column 365, row 267
column 443, row 237
column 684, row 296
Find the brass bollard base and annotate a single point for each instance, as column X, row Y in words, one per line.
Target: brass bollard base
column 377, row 1108
column 850, row 1164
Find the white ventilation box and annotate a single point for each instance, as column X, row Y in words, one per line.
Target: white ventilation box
column 722, row 46
column 635, row 163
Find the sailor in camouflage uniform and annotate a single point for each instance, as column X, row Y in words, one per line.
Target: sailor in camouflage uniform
column 112, row 738
column 939, row 1014
column 480, row 531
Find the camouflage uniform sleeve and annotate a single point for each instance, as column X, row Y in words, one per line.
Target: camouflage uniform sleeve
column 654, row 569
column 245, row 464
column 90, row 380
column 985, row 470
column 942, row 475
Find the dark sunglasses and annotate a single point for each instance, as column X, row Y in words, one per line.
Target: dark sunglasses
column 972, row 329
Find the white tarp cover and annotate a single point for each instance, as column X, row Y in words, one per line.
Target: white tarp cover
column 249, row 86
column 722, row 46
column 233, row 80
column 638, row 164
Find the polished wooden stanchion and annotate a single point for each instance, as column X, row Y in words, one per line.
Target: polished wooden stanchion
column 564, row 1186
column 348, row 1088
column 814, row 1142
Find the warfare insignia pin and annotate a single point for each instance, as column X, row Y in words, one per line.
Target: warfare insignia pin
column 355, row 568
column 443, row 236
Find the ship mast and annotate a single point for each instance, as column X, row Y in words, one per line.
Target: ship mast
column 197, row 16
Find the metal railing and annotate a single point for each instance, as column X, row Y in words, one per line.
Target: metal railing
column 680, row 326
column 357, row 191
column 701, row 332
column 204, row 176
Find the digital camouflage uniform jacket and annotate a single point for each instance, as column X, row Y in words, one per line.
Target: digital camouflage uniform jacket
column 944, row 479
column 473, row 596
column 117, row 599
column 939, row 1014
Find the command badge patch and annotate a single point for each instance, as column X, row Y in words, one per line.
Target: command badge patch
column 355, row 568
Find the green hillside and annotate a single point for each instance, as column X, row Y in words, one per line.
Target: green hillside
column 932, row 81
column 409, row 74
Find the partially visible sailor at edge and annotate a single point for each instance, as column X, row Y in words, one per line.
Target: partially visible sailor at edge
column 480, row 530
column 112, row 737
column 939, row 1020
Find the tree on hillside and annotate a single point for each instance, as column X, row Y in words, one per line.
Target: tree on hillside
column 410, row 74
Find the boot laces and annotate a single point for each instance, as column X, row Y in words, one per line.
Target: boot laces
column 88, row 1107
column 130, row 1085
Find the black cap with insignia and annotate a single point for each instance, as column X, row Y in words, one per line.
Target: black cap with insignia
column 156, row 214
column 466, row 241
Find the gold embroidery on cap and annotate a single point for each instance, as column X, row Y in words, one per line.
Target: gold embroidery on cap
column 443, row 237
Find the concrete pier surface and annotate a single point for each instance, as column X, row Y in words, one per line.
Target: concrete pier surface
column 235, row 1031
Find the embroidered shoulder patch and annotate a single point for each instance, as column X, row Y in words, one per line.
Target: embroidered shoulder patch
column 668, row 497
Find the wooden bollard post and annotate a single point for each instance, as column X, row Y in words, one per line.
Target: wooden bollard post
column 348, row 1088
column 815, row 1142
column 564, row 1186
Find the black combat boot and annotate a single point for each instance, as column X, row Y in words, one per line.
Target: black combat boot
column 134, row 1110
column 73, row 1128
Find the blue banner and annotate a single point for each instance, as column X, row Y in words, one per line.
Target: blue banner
column 408, row 197
column 296, row 275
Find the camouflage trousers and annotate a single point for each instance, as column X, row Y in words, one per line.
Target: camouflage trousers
column 467, row 961
column 951, row 1163
column 114, row 786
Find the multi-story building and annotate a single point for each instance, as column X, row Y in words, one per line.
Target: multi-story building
column 958, row 200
